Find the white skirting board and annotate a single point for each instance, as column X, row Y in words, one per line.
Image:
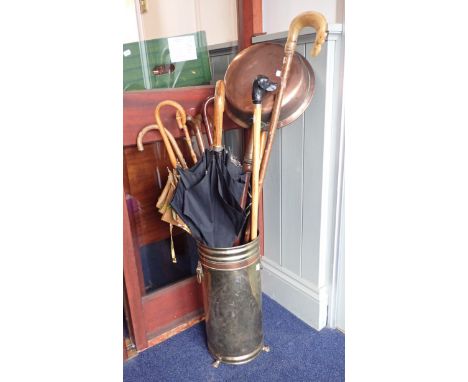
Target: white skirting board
column 300, row 297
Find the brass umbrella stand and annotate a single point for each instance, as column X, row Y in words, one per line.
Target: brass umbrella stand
column 231, row 276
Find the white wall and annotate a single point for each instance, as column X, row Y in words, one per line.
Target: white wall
column 218, row 18
column 129, row 22
column 166, row 18
column 277, row 14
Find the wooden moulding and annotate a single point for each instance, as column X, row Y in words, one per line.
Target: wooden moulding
column 132, row 274
column 171, row 303
column 176, row 327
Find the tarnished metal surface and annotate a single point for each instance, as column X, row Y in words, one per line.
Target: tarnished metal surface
column 267, row 59
column 233, row 301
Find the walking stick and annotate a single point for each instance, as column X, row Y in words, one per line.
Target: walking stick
column 196, row 125
column 206, row 121
column 188, row 140
column 305, row 19
column 171, row 139
column 162, row 129
column 261, row 85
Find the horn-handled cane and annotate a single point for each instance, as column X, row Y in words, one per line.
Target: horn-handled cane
column 260, row 86
column 305, row 19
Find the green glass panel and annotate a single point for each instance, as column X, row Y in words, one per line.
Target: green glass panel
column 147, row 65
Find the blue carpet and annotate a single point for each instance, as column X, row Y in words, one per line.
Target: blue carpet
column 298, row 353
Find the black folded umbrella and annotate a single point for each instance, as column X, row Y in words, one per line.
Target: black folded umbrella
column 207, row 199
column 208, row 194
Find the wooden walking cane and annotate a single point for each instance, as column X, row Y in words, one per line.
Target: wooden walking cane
column 305, row 19
column 162, row 130
column 206, row 121
column 172, row 140
column 260, row 86
column 196, row 125
column 183, row 126
column 247, row 162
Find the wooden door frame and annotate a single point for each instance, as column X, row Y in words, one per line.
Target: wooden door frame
column 249, row 21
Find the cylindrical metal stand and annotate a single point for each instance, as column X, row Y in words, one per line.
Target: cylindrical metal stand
column 233, row 301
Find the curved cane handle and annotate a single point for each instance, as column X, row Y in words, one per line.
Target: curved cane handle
column 172, row 157
column 141, row 134
column 307, row 19
column 218, row 113
column 172, row 140
column 207, row 123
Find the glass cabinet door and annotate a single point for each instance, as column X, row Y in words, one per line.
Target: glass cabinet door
column 146, row 174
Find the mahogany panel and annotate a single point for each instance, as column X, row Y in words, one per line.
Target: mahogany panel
column 172, row 302
column 139, row 106
column 132, row 283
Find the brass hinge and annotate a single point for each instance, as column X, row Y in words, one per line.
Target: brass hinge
column 143, row 6
column 131, row 348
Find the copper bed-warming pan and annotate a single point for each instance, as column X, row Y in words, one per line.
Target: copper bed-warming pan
column 267, row 59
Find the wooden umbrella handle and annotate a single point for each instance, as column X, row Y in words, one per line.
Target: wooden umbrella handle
column 188, row 140
column 172, row 157
column 206, row 121
column 173, row 144
column 218, row 114
column 196, row 123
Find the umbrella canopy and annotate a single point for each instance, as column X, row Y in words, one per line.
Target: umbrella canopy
column 207, row 195
column 207, row 199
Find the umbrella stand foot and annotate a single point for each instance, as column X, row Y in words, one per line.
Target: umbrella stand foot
column 216, row 363
column 266, row 348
